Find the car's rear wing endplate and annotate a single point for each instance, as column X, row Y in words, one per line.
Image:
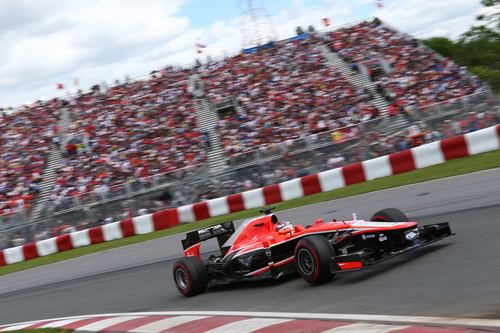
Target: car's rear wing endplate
column 222, row 231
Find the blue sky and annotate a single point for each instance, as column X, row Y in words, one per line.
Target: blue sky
column 202, row 13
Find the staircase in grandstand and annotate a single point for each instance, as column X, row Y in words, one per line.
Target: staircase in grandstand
column 358, row 80
column 206, row 119
column 49, row 174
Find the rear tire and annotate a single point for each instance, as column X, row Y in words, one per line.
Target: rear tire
column 313, row 255
column 389, row 215
column 190, row 276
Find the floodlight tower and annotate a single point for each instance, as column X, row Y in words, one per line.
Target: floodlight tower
column 255, row 23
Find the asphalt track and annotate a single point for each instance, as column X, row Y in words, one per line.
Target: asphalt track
column 458, row 277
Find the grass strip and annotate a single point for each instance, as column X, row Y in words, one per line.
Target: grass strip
column 455, row 167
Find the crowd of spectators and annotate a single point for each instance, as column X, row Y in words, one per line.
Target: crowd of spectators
column 369, row 145
column 130, row 131
column 416, row 76
column 26, row 135
column 137, row 129
column 288, row 91
column 283, row 92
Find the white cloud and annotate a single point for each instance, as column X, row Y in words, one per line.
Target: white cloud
column 422, row 19
column 51, row 41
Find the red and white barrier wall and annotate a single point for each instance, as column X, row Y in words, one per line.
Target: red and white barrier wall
column 108, row 232
column 416, row 158
column 487, row 139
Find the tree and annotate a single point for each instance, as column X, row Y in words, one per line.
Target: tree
column 494, row 18
column 299, row 30
column 479, row 33
column 490, row 27
column 478, row 48
column 492, row 76
column 442, row 45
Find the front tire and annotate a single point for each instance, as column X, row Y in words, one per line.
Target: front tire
column 190, row 276
column 313, row 255
column 389, row 215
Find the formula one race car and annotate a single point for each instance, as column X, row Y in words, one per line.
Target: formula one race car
column 266, row 248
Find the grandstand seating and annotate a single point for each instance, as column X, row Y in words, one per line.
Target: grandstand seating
column 284, row 92
column 149, row 126
column 418, row 76
column 25, row 138
column 141, row 128
column 134, row 130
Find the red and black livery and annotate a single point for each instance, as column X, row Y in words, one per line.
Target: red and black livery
column 260, row 250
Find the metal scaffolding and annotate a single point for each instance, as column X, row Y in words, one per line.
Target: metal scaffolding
column 255, row 23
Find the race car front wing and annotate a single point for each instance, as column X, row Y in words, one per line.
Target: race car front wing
column 417, row 238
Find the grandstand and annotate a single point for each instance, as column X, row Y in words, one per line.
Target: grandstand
column 25, row 144
column 283, row 93
column 269, row 114
column 133, row 130
column 408, row 74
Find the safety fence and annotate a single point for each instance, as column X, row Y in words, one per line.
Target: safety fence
column 296, row 159
column 478, row 102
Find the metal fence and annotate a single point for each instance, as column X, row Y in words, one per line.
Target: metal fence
column 265, row 153
column 104, row 195
column 281, row 162
column 478, row 102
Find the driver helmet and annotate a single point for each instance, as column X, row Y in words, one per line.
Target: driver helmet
column 284, row 225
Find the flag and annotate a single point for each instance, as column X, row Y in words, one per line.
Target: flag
column 326, row 22
column 60, row 86
column 199, row 46
column 380, row 4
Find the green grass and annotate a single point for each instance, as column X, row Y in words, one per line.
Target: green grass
column 452, row 168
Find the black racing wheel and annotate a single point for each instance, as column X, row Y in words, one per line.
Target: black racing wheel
column 312, row 258
column 389, row 215
column 190, row 276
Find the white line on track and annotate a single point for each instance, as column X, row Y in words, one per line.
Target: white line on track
column 164, row 324
column 247, row 325
column 104, row 323
column 366, row 328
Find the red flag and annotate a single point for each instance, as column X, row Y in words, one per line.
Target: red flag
column 199, row 46
column 326, row 22
column 60, row 86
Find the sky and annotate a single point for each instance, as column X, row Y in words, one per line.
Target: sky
column 46, row 42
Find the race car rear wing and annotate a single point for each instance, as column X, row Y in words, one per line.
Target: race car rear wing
column 222, row 231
